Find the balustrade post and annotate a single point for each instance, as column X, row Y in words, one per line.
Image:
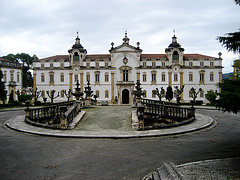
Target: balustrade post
column 63, row 118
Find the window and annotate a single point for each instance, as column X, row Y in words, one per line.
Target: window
column 62, row 94
column 144, row 64
column 18, row 77
column 201, row 93
column 62, row 64
column 97, row 77
column 75, row 58
column 106, row 77
column 42, row 77
column 145, row 94
column 190, row 76
column 163, row 77
column 42, row 65
column 175, row 57
column 153, row 94
column 51, row 65
column 62, row 77
column 97, row 93
column 190, row 64
column 88, row 77
column 154, row 77
column 88, row 64
column 201, row 64
column 190, row 94
column 201, row 77
column 51, row 78
column 153, row 64
column 43, row 94
column 76, row 78
column 163, row 64
column 125, row 75
column 106, row 64
column 11, row 76
column 97, row 64
column 106, row 94
column 5, row 76
column 211, row 64
column 144, row 77
column 211, row 76
column 175, row 77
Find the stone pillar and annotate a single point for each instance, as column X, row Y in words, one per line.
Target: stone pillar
column 138, row 75
column 34, row 81
column 21, row 80
column 170, row 78
column 70, row 84
column 112, row 87
column 220, row 78
column 81, row 81
column 181, row 83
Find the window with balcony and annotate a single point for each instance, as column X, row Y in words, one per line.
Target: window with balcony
column 125, row 75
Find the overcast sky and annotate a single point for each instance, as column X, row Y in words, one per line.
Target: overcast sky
column 48, row 27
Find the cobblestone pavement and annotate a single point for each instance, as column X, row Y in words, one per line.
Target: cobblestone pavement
column 106, row 118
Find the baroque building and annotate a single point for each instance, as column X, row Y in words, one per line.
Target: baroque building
column 12, row 76
column 113, row 76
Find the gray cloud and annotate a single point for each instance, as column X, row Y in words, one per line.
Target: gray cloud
column 48, row 27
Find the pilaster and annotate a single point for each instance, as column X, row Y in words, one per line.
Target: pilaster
column 112, row 88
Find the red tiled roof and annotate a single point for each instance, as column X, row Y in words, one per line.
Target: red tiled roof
column 108, row 56
column 1, row 59
column 57, row 57
column 153, row 56
column 98, row 56
column 196, row 56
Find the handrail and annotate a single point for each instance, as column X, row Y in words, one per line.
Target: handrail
column 154, row 107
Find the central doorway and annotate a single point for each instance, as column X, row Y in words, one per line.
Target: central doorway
column 125, row 96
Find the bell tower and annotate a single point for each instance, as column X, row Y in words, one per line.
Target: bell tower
column 77, row 53
column 174, row 52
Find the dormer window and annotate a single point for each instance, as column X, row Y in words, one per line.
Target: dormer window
column 75, row 58
column 175, row 57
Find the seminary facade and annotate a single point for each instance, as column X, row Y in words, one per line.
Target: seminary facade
column 113, row 76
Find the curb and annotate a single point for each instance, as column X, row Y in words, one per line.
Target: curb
column 201, row 122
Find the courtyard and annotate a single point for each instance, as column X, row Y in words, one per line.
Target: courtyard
column 29, row 156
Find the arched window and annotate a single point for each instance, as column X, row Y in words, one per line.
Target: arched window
column 144, row 77
column 201, row 93
column 75, row 58
column 97, row 77
column 97, row 93
column 145, row 94
column 51, row 78
column 125, row 75
column 106, row 94
column 190, row 76
column 154, row 77
column 211, row 76
column 43, row 94
column 62, row 77
column 153, row 94
column 62, row 94
column 42, row 77
column 106, row 77
column 163, row 77
column 88, row 76
column 175, row 57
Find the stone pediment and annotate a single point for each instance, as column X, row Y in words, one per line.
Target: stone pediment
column 125, row 47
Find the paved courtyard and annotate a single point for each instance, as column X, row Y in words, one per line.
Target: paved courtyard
column 104, row 118
column 26, row 156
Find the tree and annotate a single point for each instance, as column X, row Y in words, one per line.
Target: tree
column 169, row 93
column 231, row 42
column 237, row 2
column 3, row 92
column 230, row 96
column 27, row 61
column 211, row 97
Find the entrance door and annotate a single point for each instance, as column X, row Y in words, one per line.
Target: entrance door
column 125, row 96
